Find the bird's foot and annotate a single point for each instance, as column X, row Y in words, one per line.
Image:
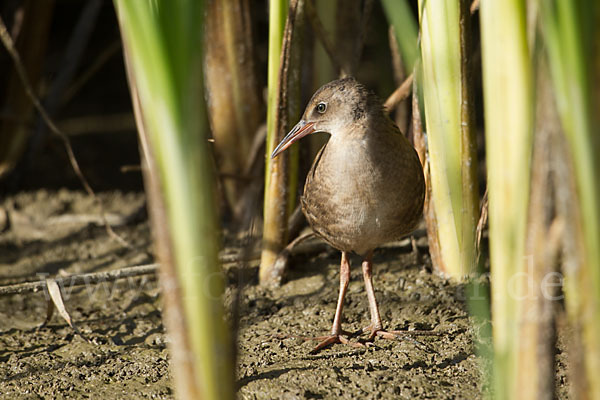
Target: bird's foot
column 325, row 341
column 382, row 333
column 396, row 335
column 379, row 331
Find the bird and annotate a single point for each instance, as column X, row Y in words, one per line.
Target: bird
column 365, row 187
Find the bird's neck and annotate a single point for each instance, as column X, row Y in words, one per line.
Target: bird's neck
column 371, row 127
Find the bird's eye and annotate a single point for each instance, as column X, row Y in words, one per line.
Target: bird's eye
column 321, row 107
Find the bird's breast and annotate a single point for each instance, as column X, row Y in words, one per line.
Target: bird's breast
column 353, row 196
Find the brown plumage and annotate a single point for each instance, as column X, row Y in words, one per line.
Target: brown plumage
column 365, row 187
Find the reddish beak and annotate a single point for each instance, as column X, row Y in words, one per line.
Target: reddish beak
column 301, row 129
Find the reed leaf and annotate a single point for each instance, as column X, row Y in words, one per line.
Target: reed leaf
column 400, row 16
column 448, row 114
column 162, row 44
column 509, row 114
column 571, row 32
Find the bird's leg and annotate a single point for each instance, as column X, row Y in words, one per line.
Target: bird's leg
column 336, row 335
column 336, row 328
column 415, row 250
column 375, row 325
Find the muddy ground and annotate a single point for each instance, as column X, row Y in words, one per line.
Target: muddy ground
column 58, row 232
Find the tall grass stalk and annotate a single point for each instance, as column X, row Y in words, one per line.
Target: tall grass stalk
column 509, row 113
column 162, row 43
column 235, row 108
column 448, row 114
column 282, row 172
column 571, row 32
column 538, row 294
column 275, row 203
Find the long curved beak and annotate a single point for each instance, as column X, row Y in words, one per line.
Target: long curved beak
column 301, row 129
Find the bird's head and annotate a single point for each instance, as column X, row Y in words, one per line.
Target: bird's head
column 333, row 109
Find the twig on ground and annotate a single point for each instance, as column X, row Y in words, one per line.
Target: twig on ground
column 283, row 258
column 245, row 255
column 109, row 276
column 81, row 279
